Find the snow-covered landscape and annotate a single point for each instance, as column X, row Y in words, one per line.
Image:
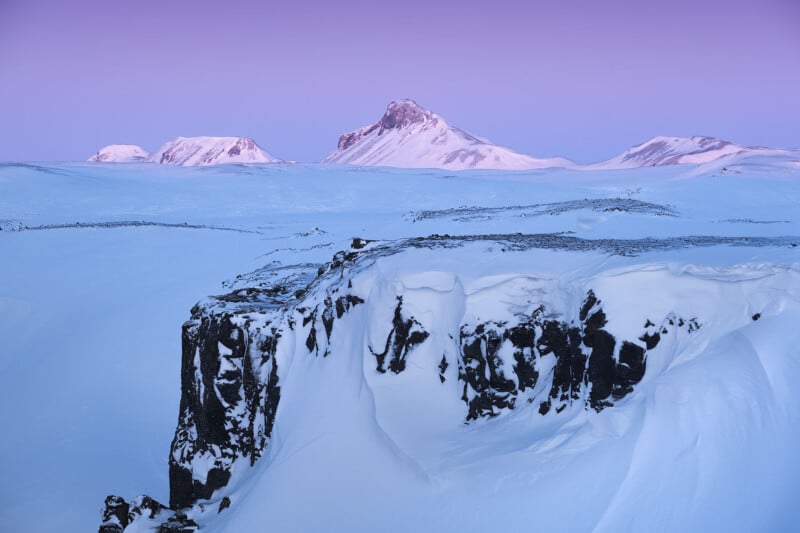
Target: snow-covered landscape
column 324, row 347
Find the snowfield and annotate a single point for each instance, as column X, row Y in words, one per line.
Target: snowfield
column 372, row 349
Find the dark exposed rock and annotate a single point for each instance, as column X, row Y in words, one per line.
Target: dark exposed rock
column 144, row 506
column 358, row 243
column 115, row 515
column 118, row 515
column 331, row 309
column 178, row 523
column 403, row 113
column 486, row 387
column 442, row 368
column 230, row 384
column 756, row 316
column 406, row 333
column 398, row 115
column 591, row 366
column 564, row 342
column 224, row 504
column 650, row 340
column 226, row 410
column 629, row 370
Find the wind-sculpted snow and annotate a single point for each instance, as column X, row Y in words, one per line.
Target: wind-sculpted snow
column 408, row 320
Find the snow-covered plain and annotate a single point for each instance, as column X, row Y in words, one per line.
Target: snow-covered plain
column 100, row 265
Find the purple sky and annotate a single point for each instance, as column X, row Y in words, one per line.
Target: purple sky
column 580, row 78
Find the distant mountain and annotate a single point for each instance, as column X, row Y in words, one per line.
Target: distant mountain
column 675, row 151
column 120, row 153
column 204, row 151
column 411, row 136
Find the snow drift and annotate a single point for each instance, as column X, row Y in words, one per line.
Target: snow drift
column 411, row 136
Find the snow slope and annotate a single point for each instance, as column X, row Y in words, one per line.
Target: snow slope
column 204, row 151
column 103, row 265
column 411, row 136
column 120, row 153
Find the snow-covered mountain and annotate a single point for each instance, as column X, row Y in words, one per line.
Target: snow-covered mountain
column 660, row 151
column 120, row 153
column 411, row 136
column 204, row 151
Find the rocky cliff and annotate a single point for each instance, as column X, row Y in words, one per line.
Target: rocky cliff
column 515, row 342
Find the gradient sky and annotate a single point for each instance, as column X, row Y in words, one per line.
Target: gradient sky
column 584, row 79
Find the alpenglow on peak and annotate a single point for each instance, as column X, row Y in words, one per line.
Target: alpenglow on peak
column 411, row 136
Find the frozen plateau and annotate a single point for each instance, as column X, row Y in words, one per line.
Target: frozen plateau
column 303, row 348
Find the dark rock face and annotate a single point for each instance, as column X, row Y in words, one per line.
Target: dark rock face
column 326, row 314
column 486, row 386
column 405, row 334
column 115, row 515
column 118, row 514
column 230, row 385
column 178, row 523
column 501, row 363
column 349, row 139
column 144, row 506
column 230, row 394
column 403, row 113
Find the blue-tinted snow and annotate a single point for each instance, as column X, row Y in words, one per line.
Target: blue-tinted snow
column 91, row 316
